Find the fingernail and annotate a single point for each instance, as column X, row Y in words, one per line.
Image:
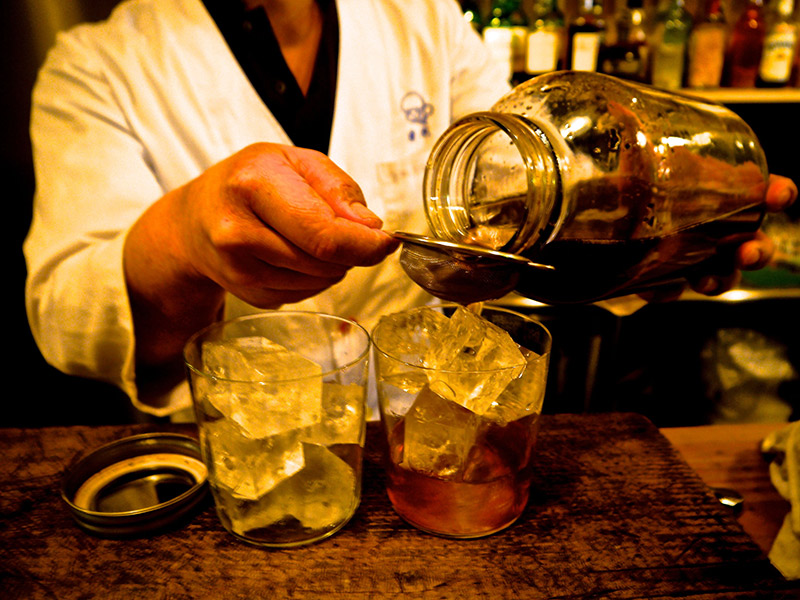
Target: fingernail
column 785, row 197
column 751, row 256
column 707, row 285
column 366, row 215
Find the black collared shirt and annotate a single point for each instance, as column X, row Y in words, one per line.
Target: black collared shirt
column 306, row 119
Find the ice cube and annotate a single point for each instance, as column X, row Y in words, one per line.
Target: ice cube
column 438, row 435
column 524, row 395
column 248, row 467
column 324, row 491
column 252, row 358
column 473, row 362
column 342, row 419
column 407, row 337
column 264, row 387
column 321, row 495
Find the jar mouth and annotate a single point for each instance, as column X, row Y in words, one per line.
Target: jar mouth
column 493, row 180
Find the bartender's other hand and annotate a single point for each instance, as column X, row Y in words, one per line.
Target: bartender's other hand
column 751, row 255
column 276, row 224
column 756, row 253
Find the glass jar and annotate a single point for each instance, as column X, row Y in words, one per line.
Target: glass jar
column 618, row 185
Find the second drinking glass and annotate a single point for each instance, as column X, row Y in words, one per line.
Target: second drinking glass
column 460, row 400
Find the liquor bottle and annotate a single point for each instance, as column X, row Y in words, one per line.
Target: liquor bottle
column 796, row 67
column 795, row 77
column 671, row 36
column 585, row 36
column 506, row 34
column 744, row 50
column 780, row 44
column 627, row 56
column 472, row 13
column 707, row 43
column 545, row 38
column 615, row 195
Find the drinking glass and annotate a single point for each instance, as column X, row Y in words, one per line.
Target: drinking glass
column 279, row 399
column 460, row 409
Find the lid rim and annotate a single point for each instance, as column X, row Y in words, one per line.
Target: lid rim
column 147, row 519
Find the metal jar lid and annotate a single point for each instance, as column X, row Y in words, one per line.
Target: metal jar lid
column 137, row 485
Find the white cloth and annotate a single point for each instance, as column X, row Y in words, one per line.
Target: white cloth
column 125, row 110
column 784, row 469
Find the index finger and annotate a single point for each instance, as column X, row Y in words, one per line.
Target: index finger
column 781, row 193
column 333, row 185
column 308, row 200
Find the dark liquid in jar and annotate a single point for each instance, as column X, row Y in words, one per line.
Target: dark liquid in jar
column 622, row 236
column 594, row 269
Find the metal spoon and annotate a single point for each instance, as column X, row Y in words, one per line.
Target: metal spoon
column 729, row 497
column 448, row 247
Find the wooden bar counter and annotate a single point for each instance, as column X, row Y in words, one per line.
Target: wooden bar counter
column 615, row 512
column 729, row 456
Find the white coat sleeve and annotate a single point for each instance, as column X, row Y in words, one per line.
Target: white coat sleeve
column 92, row 182
column 477, row 80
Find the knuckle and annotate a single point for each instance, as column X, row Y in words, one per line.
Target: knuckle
column 242, row 181
column 225, row 234
column 244, row 176
column 351, row 191
column 323, row 245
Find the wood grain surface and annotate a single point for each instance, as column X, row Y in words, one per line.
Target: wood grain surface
column 729, row 456
column 615, row 513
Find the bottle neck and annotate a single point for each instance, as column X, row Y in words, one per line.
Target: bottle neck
column 785, row 8
column 631, row 18
column 504, row 9
column 590, row 7
column 545, row 7
column 493, row 180
column 714, row 11
column 675, row 7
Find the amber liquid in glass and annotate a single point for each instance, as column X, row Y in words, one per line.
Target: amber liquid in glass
column 488, row 495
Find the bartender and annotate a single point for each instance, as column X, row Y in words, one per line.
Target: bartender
column 201, row 160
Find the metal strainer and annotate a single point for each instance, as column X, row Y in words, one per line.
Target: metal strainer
column 461, row 272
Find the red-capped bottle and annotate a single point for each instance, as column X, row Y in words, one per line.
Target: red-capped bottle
column 707, row 43
column 744, row 51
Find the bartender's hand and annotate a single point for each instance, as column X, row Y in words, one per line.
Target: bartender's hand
column 756, row 253
column 271, row 224
column 277, row 224
column 751, row 255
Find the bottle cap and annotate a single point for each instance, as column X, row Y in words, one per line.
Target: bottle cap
column 137, row 485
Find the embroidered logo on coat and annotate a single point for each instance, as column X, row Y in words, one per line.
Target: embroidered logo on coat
column 417, row 112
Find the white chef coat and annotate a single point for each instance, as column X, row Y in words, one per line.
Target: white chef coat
column 127, row 109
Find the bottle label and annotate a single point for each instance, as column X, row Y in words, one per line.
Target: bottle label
column 668, row 66
column 542, row 52
column 499, row 41
column 706, row 57
column 776, row 60
column 585, row 47
column 519, row 42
